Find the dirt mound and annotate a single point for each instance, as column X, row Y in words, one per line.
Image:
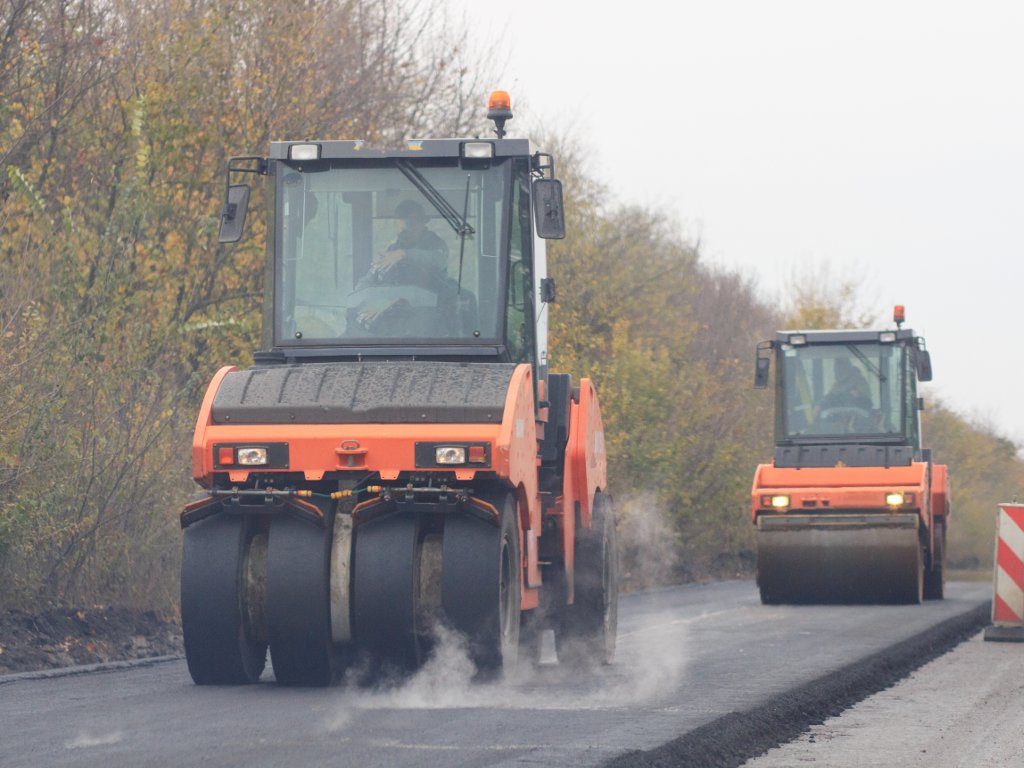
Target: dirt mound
column 62, row 637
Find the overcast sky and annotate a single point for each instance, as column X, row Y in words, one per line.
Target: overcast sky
column 883, row 138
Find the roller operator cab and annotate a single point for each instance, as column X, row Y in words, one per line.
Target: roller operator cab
column 399, row 458
column 852, row 509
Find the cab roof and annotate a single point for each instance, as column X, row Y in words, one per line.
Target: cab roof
column 842, row 336
column 354, row 150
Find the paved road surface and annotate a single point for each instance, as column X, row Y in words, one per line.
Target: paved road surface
column 687, row 656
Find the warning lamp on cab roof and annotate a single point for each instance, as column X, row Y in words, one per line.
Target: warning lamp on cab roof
column 899, row 314
column 499, row 109
column 499, row 100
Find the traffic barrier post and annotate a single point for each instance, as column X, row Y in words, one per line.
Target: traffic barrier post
column 1008, row 600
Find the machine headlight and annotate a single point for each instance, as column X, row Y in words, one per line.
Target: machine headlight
column 887, row 337
column 252, row 457
column 780, row 502
column 304, row 152
column 478, row 150
column 450, row 454
column 894, row 499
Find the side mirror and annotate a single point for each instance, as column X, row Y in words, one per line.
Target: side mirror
column 762, row 364
column 922, row 361
column 232, row 218
column 547, row 209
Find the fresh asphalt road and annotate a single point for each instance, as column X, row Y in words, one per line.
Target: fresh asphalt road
column 687, row 656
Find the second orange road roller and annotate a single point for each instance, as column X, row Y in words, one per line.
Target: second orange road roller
column 399, row 457
column 852, row 508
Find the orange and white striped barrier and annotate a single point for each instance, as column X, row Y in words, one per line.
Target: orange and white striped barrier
column 1008, row 601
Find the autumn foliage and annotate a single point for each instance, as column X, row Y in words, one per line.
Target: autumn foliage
column 117, row 304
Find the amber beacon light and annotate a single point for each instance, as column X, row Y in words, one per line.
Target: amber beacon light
column 499, row 109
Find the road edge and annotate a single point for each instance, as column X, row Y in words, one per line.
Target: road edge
column 731, row 740
column 85, row 669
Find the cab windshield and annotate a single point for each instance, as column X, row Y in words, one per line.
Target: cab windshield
column 378, row 254
column 839, row 390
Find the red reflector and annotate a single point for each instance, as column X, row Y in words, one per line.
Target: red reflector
column 477, row 454
column 226, row 455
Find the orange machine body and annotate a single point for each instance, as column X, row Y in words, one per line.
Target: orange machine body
column 839, row 489
column 320, row 451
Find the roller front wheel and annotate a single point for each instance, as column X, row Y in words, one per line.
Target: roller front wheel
column 588, row 627
column 481, row 588
column 223, row 558
column 386, row 591
column 298, row 603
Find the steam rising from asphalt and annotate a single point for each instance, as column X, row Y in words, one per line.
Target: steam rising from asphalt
column 648, row 666
column 648, row 543
column 444, row 681
column 650, row 659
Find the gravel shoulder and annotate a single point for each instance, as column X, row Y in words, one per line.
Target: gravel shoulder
column 962, row 710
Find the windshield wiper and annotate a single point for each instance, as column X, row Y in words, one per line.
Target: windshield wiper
column 457, row 222
column 867, row 361
column 462, row 236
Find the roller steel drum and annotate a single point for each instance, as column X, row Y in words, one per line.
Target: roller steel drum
column 847, row 558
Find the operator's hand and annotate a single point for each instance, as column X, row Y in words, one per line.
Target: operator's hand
column 369, row 316
column 385, row 261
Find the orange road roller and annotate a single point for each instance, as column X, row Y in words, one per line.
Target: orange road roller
column 398, row 458
column 852, row 509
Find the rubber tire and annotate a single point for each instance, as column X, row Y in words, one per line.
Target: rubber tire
column 481, row 587
column 588, row 627
column 385, row 584
column 935, row 577
column 219, row 648
column 298, row 603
